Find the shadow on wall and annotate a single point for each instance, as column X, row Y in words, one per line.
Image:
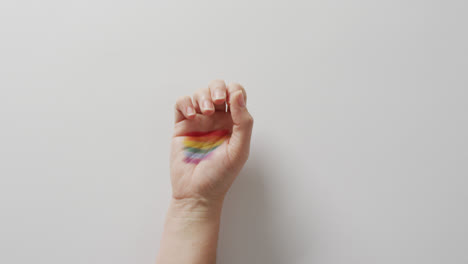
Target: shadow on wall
column 250, row 229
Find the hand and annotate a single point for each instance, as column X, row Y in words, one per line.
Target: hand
column 210, row 145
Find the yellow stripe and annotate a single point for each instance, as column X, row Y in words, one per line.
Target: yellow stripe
column 202, row 145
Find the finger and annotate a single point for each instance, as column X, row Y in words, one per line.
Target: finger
column 218, row 94
column 195, row 101
column 202, row 99
column 233, row 87
column 184, row 109
column 239, row 142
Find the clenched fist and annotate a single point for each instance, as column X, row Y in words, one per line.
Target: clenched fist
column 211, row 141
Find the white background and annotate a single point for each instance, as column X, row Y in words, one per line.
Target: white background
column 359, row 152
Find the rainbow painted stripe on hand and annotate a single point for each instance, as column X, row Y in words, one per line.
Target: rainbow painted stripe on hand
column 200, row 145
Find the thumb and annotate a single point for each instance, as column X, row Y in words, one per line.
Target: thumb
column 239, row 144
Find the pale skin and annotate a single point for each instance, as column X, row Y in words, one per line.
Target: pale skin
column 192, row 222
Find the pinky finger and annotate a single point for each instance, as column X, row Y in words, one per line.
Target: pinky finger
column 184, row 109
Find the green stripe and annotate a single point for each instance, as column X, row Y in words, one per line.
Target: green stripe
column 197, row 150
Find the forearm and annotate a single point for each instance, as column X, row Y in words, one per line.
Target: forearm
column 190, row 232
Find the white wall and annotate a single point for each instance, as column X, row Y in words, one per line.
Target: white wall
column 360, row 149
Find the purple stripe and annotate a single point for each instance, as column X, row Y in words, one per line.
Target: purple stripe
column 196, row 160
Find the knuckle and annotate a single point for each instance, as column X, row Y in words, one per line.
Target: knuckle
column 181, row 100
column 217, row 84
column 236, row 86
column 201, row 93
column 249, row 120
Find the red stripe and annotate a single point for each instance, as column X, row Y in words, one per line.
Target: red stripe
column 205, row 139
column 219, row 133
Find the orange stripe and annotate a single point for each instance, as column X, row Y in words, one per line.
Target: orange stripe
column 202, row 145
column 205, row 138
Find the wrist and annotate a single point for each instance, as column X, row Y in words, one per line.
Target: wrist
column 195, row 208
column 191, row 231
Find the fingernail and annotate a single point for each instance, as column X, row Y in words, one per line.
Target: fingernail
column 219, row 94
column 190, row 111
column 207, row 105
column 241, row 100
